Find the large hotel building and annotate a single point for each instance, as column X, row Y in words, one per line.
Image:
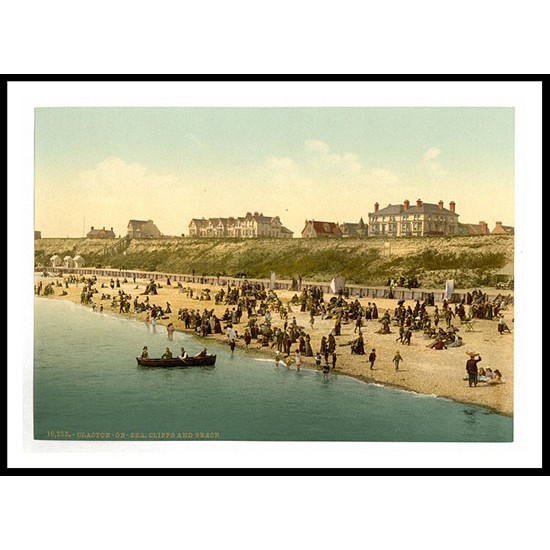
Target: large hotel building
column 406, row 220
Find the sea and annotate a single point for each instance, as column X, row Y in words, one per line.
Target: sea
column 87, row 386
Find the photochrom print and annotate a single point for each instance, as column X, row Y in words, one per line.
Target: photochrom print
column 274, row 274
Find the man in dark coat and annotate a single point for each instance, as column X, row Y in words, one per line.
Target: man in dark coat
column 471, row 368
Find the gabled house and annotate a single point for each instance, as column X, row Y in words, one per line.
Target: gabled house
column 315, row 229
column 217, row 227
column 502, row 229
column 469, row 229
column 198, row 227
column 100, row 233
column 248, row 226
column 141, row 229
column 258, row 225
column 354, row 230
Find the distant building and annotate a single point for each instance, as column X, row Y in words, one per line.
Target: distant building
column 502, row 229
column 469, row 229
column 354, row 229
column 250, row 226
column 420, row 220
column 100, row 233
column 37, row 235
column 314, row 230
column 197, row 227
column 141, row 229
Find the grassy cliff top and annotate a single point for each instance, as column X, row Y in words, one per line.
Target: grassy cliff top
column 471, row 261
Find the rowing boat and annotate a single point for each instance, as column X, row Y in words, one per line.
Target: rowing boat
column 207, row 360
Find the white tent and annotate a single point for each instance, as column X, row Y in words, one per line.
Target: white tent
column 337, row 284
column 56, row 261
column 449, row 288
column 78, row 261
column 68, row 261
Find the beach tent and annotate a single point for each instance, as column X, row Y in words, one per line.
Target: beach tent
column 56, row 261
column 78, row 261
column 505, row 274
column 449, row 288
column 68, row 261
column 337, row 284
column 272, row 281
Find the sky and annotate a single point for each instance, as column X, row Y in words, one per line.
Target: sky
column 103, row 166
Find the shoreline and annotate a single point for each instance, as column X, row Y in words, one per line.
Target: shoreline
column 423, row 370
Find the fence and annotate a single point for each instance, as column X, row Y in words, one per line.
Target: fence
column 358, row 291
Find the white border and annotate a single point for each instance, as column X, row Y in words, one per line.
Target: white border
column 525, row 97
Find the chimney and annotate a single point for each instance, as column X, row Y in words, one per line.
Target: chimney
column 255, row 213
column 92, row 228
column 418, row 203
column 484, row 228
column 112, row 229
column 376, row 205
column 440, row 204
column 452, row 206
column 406, row 203
column 103, row 228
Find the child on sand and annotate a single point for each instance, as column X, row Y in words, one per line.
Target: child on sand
column 298, row 359
column 318, row 360
column 372, row 358
column 396, row 359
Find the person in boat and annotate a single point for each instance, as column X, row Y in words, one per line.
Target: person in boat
column 183, row 354
column 145, row 353
column 202, row 353
column 167, row 354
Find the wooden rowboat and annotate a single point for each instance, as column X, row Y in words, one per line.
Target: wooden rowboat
column 207, row 360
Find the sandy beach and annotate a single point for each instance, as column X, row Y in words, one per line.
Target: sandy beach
column 423, row 370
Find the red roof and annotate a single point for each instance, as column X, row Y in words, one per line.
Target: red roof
column 326, row 228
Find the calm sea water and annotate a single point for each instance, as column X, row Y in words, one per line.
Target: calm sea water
column 87, row 385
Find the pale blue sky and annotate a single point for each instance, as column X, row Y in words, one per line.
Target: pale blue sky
column 103, row 166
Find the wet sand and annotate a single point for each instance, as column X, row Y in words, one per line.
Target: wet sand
column 423, row 370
